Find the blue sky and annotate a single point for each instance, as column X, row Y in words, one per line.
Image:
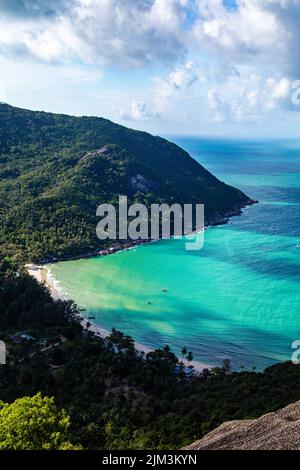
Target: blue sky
column 201, row 67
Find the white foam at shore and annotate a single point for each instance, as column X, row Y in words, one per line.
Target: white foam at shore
column 54, row 284
column 44, row 275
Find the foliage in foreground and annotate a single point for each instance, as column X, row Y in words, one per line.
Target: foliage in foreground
column 32, row 423
column 116, row 398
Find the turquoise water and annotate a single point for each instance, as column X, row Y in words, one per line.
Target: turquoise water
column 238, row 297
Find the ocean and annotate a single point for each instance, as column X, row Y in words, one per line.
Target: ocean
column 238, row 297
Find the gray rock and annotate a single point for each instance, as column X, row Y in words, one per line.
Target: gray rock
column 279, row 430
column 141, row 183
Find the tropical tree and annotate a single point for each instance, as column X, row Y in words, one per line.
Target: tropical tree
column 183, row 352
column 189, row 357
column 121, row 340
column 226, row 365
column 166, row 350
column 34, row 423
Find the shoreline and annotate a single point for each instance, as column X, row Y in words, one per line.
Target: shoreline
column 128, row 245
column 42, row 274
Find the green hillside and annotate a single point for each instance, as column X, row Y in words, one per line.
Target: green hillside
column 56, row 169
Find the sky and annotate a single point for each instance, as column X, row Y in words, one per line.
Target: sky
column 170, row 67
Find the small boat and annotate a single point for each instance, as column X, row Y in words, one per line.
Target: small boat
column 91, row 318
column 82, row 309
column 149, row 302
column 164, row 289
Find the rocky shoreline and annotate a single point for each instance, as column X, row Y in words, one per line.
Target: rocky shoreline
column 217, row 220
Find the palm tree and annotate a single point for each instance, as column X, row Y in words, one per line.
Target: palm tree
column 189, row 357
column 166, row 350
column 226, row 365
column 183, row 352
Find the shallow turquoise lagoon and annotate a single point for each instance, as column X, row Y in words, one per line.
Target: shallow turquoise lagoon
column 237, row 298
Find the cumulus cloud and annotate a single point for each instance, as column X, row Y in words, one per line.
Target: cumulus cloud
column 28, row 9
column 188, row 80
column 181, row 77
column 138, row 112
column 244, row 52
column 143, row 32
column 168, row 90
column 265, row 30
column 119, row 32
column 248, row 98
column 227, row 93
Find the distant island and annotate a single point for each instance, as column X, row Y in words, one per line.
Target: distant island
column 56, row 169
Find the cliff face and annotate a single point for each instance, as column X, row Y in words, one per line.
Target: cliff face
column 274, row 431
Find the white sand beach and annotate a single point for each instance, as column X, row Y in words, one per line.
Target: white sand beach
column 43, row 275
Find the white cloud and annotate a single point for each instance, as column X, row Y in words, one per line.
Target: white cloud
column 35, row 8
column 146, row 32
column 119, row 32
column 218, row 92
column 249, row 98
column 265, row 31
column 243, row 58
column 138, row 112
column 183, row 76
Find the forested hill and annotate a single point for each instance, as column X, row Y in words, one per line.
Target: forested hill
column 56, row 169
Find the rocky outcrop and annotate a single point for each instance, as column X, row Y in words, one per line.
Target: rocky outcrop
column 279, row 430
